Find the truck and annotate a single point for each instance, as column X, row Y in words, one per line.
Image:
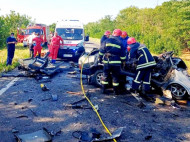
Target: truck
column 72, row 32
column 23, row 34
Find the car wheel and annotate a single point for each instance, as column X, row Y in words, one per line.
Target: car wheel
column 178, row 92
column 97, row 77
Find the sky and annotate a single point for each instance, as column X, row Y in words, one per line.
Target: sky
column 51, row 11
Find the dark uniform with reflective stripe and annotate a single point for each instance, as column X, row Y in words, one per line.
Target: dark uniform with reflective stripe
column 113, row 54
column 145, row 63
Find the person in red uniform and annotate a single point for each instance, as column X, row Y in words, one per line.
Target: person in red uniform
column 55, row 44
column 37, row 44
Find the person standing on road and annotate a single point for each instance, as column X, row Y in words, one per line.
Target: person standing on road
column 140, row 54
column 112, row 52
column 31, row 46
column 55, row 45
column 105, row 36
column 11, row 41
column 37, row 41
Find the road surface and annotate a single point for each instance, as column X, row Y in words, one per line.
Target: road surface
column 26, row 108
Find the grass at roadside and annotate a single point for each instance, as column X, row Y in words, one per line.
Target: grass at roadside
column 20, row 53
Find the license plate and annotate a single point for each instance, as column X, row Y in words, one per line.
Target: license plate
column 67, row 55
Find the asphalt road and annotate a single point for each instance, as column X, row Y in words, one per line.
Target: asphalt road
column 26, row 108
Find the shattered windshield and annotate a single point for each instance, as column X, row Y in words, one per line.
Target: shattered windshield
column 70, row 33
column 30, row 31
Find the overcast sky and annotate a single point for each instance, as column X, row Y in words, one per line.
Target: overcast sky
column 50, row 11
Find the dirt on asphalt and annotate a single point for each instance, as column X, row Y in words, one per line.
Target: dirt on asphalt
column 26, row 108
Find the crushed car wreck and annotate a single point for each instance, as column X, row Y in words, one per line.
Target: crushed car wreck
column 170, row 73
column 36, row 66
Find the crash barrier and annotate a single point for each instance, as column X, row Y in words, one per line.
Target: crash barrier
column 82, row 87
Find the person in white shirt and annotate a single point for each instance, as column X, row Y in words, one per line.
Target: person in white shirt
column 31, row 46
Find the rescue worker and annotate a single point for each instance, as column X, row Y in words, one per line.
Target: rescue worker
column 11, row 41
column 113, row 55
column 31, row 46
column 105, row 36
column 37, row 41
column 55, row 45
column 124, row 38
column 145, row 64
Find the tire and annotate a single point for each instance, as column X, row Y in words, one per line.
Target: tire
column 178, row 92
column 96, row 78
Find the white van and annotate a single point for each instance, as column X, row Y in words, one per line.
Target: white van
column 72, row 32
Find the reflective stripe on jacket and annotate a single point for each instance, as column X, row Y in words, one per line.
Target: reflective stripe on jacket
column 112, row 51
column 145, row 59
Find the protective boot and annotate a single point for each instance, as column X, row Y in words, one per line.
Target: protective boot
column 104, row 91
column 147, row 96
column 116, row 90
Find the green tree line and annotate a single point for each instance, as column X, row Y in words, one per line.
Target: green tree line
column 164, row 28
column 10, row 23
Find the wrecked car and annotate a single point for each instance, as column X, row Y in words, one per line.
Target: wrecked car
column 170, row 73
column 36, row 66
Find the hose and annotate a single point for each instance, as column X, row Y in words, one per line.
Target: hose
column 82, row 87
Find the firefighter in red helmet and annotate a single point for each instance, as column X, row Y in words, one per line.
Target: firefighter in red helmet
column 145, row 63
column 105, row 36
column 112, row 54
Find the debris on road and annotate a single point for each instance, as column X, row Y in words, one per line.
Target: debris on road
column 73, row 72
column 44, row 87
column 14, row 131
column 74, row 93
column 164, row 101
column 22, row 116
column 54, row 97
column 38, row 136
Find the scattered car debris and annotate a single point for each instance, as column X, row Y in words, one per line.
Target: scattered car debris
column 74, row 93
column 164, row 101
column 22, row 116
column 38, row 136
column 54, row 97
column 74, row 72
column 14, row 131
column 44, row 87
column 77, row 107
column 115, row 134
column 148, row 137
column 139, row 99
column 30, row 100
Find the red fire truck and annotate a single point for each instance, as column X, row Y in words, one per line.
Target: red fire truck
column 23, row 34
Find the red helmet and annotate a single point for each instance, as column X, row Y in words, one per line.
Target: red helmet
column 131, row 40
column 124, row 34
column 107, row 33
column 117, row 32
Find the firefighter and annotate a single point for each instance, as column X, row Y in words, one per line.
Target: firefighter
column 11, row 41
column 113, row 55
column 55, row 44
column 105, row 36
column 140, row 54
column 124, row 38
column 37, row 42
